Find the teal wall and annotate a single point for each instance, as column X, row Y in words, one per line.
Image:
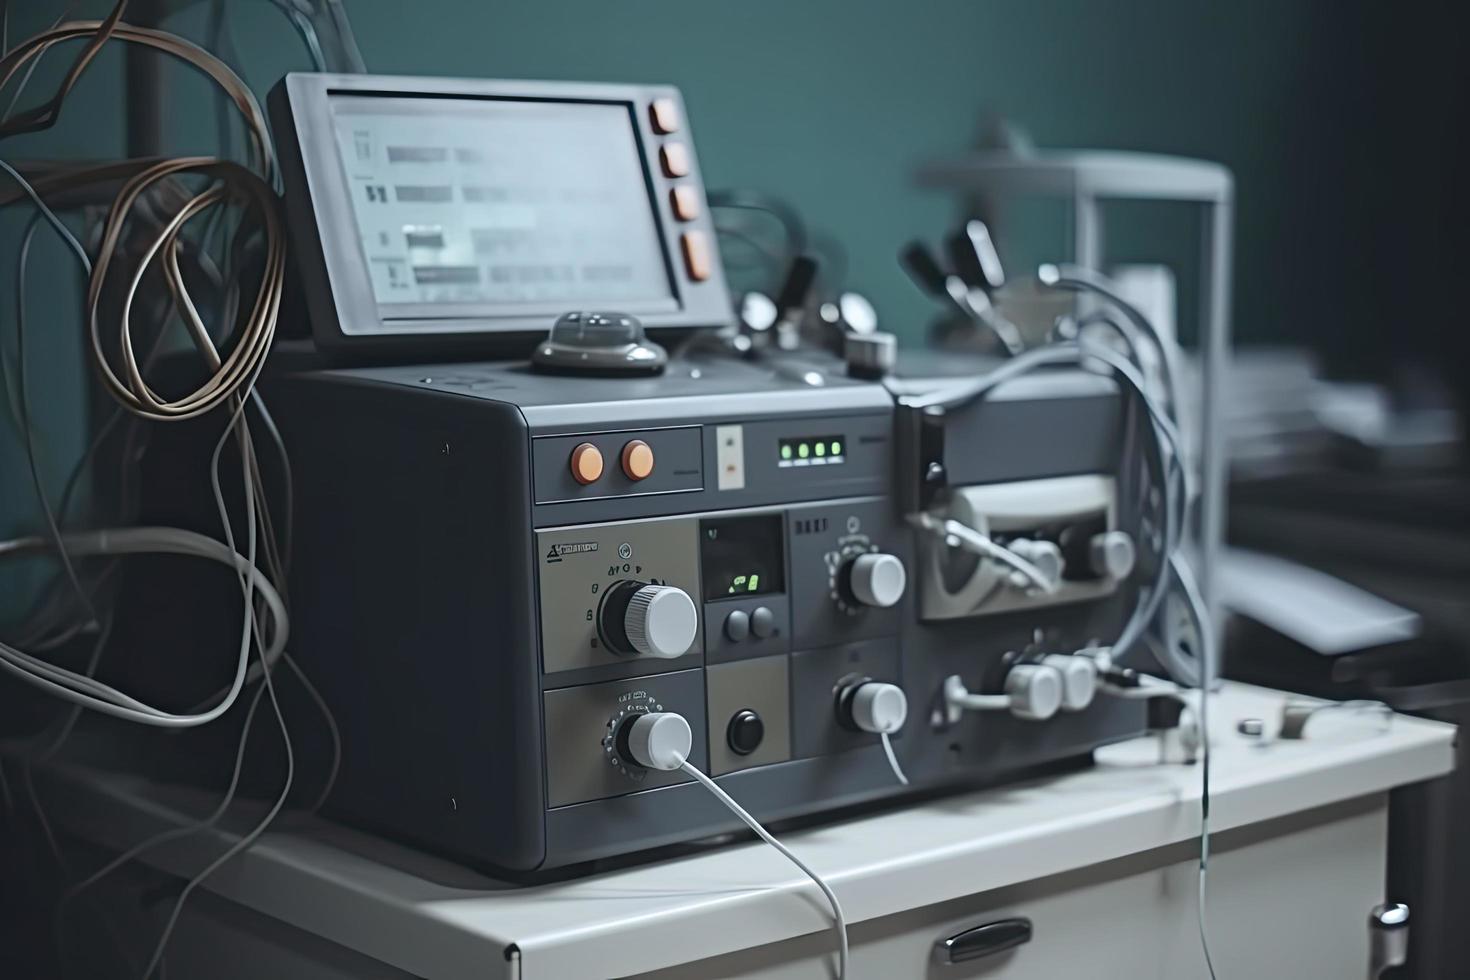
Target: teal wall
column 831, row 103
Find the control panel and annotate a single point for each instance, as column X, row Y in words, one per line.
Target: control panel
column 1062, row 533
column 588, row 729
column 591, row 466
column 718, row 617
column 617, row 593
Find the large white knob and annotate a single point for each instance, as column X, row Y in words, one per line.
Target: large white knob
column 877, row 707
column 1079, row 679
column 659, row 740
column 878, row 579
column 661, row 621
column 1035, row 691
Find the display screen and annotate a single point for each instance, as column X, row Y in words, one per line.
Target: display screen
column 742, row 556
column 812, row 451
column 536, row 204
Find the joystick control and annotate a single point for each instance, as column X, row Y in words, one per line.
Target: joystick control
column 598, row 343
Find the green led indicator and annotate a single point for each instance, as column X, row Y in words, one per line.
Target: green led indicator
column 786, row 450
column 821, row 449
column 753, row 584
column 803, row 450
column 836, row 448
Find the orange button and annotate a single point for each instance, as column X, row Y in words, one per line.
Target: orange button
column 696, row 254
column 684, row 200
column 638, row 460
column 586, row 463
column 675, row 159
column 664, row 114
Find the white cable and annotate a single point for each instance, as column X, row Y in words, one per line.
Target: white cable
column 839, row 921
column 1151, row 687
column 968, row 539
column 93, row 694
column 1169, row 456
column 1080, row 278
column 1185, row 577
column 893, row 759
column 957, row 696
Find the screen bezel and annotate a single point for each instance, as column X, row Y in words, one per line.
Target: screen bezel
column 335, row 278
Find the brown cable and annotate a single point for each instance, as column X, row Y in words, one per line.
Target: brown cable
column 230, row 184
column 45, row 116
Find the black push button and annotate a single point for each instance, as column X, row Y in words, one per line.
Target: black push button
column 745, row 732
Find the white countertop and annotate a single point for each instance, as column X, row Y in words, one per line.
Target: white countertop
column 438, row 921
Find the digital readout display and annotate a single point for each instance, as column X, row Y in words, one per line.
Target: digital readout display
column 742, row 556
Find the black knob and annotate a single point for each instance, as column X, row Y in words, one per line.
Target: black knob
column 745, row 732
column 612, row 617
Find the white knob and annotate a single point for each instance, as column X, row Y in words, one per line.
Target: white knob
column 1045, row 555
column 1112, row 554
column 1035, row 691
column 661, row 621
column 660, row 740
column 878, row 580
column 1079, row 679
column 878, row 707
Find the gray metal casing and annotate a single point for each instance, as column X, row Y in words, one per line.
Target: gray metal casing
column 419, row 601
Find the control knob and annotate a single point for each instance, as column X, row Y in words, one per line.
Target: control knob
column 1034, row 690
column 657, row 740
column 1079, row 679
column 1113, row 554
column 1044, row 556
column 651, row 620
column 876, row 707
column 876, row 579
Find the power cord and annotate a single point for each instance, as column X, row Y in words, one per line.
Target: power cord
column 1190, row 588
column 661, row 741
column 839, row 921
column 898, row 772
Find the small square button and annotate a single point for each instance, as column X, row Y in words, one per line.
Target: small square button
column 675, row 159
column 664, row 115
column 684, row 201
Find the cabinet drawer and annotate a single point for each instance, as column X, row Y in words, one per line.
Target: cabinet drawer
column 1286, row 899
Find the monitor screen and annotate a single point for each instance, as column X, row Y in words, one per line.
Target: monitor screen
column 530, row 205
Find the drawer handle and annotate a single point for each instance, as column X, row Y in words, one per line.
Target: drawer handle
column 983, row 940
